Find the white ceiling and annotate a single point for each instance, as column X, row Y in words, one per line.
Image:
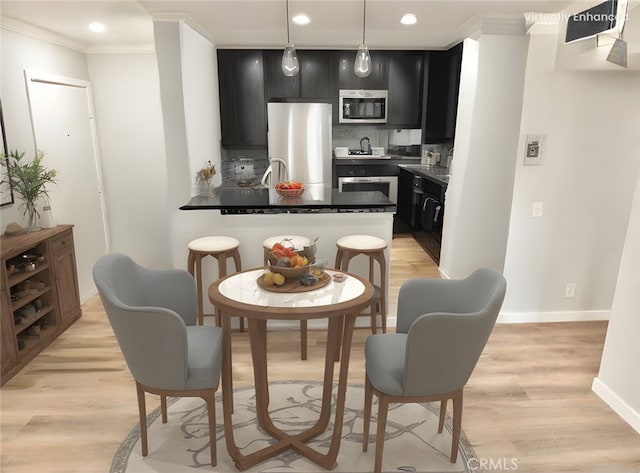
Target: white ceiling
column 334, row 24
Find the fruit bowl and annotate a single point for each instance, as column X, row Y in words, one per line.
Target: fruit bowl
column 288, row 272
column 289, row 189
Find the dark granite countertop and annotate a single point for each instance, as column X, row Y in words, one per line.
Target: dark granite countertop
column 317, row 198
column 394, row 159
column 438, row 174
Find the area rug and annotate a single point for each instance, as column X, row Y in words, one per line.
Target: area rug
column 412, row 442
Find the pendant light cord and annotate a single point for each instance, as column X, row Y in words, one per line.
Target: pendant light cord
column 288, row 22
column 364, row 19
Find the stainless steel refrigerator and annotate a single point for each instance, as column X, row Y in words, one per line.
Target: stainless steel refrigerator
column 299, row 141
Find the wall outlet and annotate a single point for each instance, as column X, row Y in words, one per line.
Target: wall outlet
column 537, row 209
column 570, row 290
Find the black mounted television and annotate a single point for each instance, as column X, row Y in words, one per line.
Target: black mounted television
column 592, row 22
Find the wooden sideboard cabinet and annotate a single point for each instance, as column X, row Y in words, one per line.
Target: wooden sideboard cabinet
column 39, row 294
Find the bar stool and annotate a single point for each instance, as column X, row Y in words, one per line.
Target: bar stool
column 372, row 247
column 220, row 248
column 298, row 242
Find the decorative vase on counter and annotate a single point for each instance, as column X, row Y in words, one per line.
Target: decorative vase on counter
column 205, row 178
column 32, row 213
column 207, row 188
column 47, row 220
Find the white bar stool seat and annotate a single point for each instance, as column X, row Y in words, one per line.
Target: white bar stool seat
column 220, row 248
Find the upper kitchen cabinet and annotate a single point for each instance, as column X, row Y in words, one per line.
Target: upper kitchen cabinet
column 318, row 73
column 405, row 88
column 443, row 84
column 276, row 84
column 377, row 80
column 242, row 101
column 315, row 80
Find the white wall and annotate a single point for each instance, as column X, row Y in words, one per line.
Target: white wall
column 618, row 382
column 20, row 52
column 202, row 104
column 591, row 120
column 478, row 201
column 129, row 121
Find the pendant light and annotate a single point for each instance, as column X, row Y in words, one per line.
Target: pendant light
column 362, row 64
column 290, row 66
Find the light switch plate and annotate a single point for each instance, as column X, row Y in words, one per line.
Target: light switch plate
column 535, row 149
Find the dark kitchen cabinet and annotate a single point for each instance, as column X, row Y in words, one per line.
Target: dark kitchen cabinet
column 277, row 85
column 405, row 88
column 242, row 101
column 377, row 80
column 318, row 74
column 316, row 78
column 443, row 84
column 405, row 198
column 455, row 66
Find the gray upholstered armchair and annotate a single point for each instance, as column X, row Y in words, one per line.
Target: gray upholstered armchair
column 442, row 328
column 153, row 315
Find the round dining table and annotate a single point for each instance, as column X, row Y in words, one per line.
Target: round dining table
column 241, row 294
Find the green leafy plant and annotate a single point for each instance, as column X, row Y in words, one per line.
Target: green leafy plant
column 29, row 179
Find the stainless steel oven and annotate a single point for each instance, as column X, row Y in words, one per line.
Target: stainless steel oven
column 388, row 185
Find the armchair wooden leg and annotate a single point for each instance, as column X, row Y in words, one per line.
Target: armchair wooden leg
column 163, row 408
column 303, row 340
column 457, row 425
column 443, row 414
column 383, row 407
column 210, row 399
column 368, row 398
column 142, row 411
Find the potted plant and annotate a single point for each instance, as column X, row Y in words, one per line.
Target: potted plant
column 28, row 179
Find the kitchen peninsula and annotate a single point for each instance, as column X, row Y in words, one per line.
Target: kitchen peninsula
column 317, row 198
column 253, row 214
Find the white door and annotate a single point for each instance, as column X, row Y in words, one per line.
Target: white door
column 62, row 120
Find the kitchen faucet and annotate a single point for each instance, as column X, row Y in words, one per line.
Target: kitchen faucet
column 281, row 176
column 365, row 145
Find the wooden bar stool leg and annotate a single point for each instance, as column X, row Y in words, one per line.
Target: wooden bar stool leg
column 198, row 276
column 383, row 291
column 237, row 262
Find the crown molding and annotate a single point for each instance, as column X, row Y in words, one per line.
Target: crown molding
column 27, row 29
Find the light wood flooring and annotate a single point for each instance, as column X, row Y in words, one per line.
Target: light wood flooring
column 528, row 404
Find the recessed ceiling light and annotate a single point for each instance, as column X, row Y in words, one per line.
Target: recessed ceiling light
column 408, row 19
column 301, row 19
column 96, row 27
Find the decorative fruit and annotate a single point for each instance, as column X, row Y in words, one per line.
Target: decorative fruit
column 308, row 279
column 268, row 278
column 279, row 253
column 284, row 262
column 277, row 246
column 278, row 279
column 289, row 252
column 295, row 261
column 289, row 185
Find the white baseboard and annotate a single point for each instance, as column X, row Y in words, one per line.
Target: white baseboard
column 615, row 402
column 503, row 318
column 555, row 316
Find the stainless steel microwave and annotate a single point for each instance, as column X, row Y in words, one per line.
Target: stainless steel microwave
column 363, row 106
